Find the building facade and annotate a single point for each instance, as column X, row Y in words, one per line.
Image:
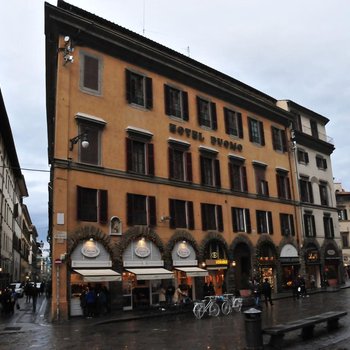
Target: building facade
column 343, row 205
column 12, row 191
column 320, row 251
column 163, row 171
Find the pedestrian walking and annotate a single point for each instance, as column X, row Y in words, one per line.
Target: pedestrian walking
column 169, row 294
column 90, row 302
column 266, row 289
column 256, row 292
column 34, row 294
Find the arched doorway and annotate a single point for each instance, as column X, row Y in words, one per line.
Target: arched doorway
column 243, row 265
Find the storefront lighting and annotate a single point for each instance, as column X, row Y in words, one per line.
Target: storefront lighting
column 203, row 264
column 233, row 263
column 91, row 239
column 184, row 242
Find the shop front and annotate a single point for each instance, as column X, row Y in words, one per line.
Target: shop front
column 91, row 269
column 312, row 267
column 332, row 260
column 216, row 263
column 290, row 265
column 144, row 274
column 187, row 272
column 266, row 262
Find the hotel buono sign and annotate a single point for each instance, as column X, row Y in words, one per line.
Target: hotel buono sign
column 196, row 135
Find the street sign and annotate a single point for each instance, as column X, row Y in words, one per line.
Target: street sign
column 58, row 261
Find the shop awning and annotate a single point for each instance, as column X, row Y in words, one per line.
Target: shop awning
column 99, row 275
column 151, row 274
column 193, row 271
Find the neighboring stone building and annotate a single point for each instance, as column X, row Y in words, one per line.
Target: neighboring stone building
column 12, row 190
column 321, row 243
column 343, row 205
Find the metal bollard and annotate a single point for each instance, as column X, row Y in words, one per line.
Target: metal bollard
column 253, row 333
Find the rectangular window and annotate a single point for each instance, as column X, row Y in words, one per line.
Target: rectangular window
column 92, row 205
column 212, row 217
column 241, row 220
column 206, row 113
column 323, row 193
column 345, row 239
column 90, row 73
column 283, row 185
column 279, row 141
column 256, row 131
column 139, row 90
column 210, row 171
column 287, row 224
column 90, row 154
column 262, row 186
column 342, row 214
column 313, row 126
column 238, row 175
column 328, row 226
column 181, row 214
column 305, row 188
column 309, row 225
column 233, row 123
column 180, row 164
column 141, row 210
column 321, row 163
column 303, row 157
column 264, row 222
column 176, row 102
column 140, row 157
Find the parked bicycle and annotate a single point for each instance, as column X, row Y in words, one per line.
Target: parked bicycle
column 208, row 305
column 231, row 303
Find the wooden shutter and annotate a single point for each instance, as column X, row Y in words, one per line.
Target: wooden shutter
column 167, row 99
column 130, row 208
column 227, row 124
column 234, row 221
column 128, row 85
column 247, row 218
column 172, row 213
column 150, row 153
column 217, row 173
column 201, row 158
column 250, row 129
column 128, row 154
column 190, row 214
column 79, row 202
column 284, row 141
column 171, row 162
column 149, row 93
column 244, row 178
column 199, row 111
column 231, row 174
column 103, row 206
column 152, row 216
column 292, row 225
column 240, row 125
column 213, row 116
column 91, row 72
column 204, row 217
column 189, row 166
column 269, row 215
column 262, row 135
column 274, row 132
column 219, row 217
column 185, row 105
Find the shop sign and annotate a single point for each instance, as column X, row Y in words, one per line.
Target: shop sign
column 142, row 251
column 90, row 249
column 290, row 260
column 312, row 256
column 331, row 252
column 211, row 262
column 183, row 252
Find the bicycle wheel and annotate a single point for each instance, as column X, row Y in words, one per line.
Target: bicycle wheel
column 226, row 307
column 214, row 309
column 237, row 305
column 198, row 311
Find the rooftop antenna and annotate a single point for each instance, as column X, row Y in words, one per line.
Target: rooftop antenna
column 188, row 51
column 144, row 17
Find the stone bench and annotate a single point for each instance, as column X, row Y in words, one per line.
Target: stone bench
column 306, row 325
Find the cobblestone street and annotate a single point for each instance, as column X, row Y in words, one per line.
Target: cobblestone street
column 177, row 331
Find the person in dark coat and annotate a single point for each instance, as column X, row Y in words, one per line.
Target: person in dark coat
column 266, row 290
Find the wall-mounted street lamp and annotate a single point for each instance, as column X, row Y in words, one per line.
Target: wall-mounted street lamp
column 84, row 140
column 67, row 50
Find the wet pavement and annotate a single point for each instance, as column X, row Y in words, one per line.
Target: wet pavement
column 170, row 330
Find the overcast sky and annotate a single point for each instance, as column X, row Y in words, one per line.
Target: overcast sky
column 297, row 50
